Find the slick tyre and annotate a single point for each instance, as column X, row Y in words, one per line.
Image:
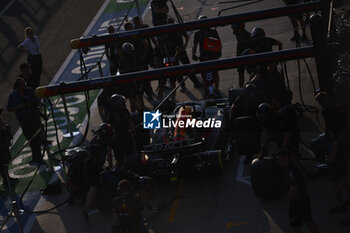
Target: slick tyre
column 267, row 178
column 233, row 93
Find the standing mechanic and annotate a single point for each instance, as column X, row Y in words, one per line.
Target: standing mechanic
column 124, row 142
column 160, row 12
column 337, row 152
column 298, row 198
column 243, row 42
column 31, row 46
column 27, row 75
column 111, row 49
column 210, row 47
column 128, row 64
column 5, row 155
column 297, row 19
column 261, row 43
column 24, row 103
column 269, row 83
column 148, row 59
column 177, row 47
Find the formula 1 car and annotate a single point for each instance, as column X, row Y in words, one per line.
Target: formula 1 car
column 193, row 137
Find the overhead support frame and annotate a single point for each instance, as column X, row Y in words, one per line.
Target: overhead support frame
column 197, row 24
column 173, row 71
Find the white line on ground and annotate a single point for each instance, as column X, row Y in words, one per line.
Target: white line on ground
column 71, row 54
column 28, row 226
column 42, row 200
column 31, row 219
column 69, row 57
column 7, row 7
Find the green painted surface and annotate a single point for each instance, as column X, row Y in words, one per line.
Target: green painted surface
column 43, row 177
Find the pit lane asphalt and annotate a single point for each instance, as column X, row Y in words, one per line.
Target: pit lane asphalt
column 55, row 22
column 215, row 203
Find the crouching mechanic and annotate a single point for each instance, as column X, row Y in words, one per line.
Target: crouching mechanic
column 101, row 145
column 85, row 166
column 92, row 170
column 299, row 199
column 99, row 149
column 279, row 126
column 124, row 143
column 334, row 116
column 82, row 172
column 127, row 210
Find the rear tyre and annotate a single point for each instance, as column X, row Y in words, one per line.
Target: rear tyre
column 267, row 178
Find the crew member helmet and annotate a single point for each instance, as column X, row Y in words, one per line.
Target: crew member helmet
column 145, row 184
column 250, row 89
column 248, row 52
column 258, row 32
column 118, row 100
column 125, row 186
column 322, row 98
column 77, row 155
column 128, row 48
column 236, row 26
column 265, row 113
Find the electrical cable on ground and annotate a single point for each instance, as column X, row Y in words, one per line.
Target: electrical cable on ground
column 307, row 108
column 104, row 52
column 31, row 181
column 60, row 150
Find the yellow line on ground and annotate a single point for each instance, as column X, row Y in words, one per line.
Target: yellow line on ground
column 230, row 224
column 175, row 204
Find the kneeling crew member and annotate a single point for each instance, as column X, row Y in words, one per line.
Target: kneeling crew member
column 299, row 199
column 127, row 210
